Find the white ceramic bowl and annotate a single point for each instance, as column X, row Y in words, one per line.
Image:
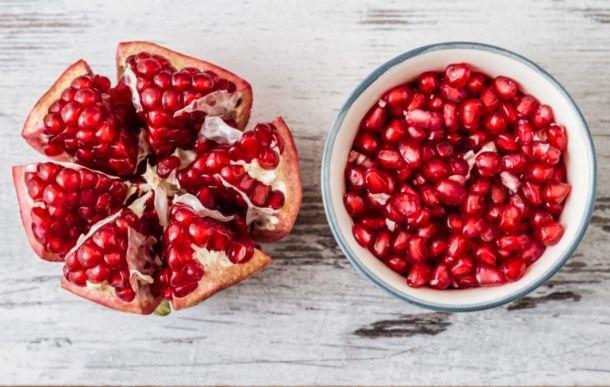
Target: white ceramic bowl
column 580, row 162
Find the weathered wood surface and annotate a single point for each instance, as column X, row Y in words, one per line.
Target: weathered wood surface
column 309, row 317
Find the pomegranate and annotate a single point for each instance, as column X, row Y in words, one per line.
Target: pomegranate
column 456, row 179
column 154, row 192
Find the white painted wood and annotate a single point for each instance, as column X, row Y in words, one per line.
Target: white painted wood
column 309, row 317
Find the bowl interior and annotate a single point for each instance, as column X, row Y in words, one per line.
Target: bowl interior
column 579, row 159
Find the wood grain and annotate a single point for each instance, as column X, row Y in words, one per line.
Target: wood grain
column 309, row 317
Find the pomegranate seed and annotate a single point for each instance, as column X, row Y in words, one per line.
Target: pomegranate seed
column 470, row 112
column 486, row 254
column 450, row 192
column 526, row 107
column 390, row 159
column 505, row 87
column 381, row 246
column 532, row 193
column 546, row 153
column 397, row 99
column 362, row 235
column 556, row 193
column 395, row 131
column 377, row 181
column 419, row 275
column 410, row 152
column 418, row 251
column 549, row 234
column 428, row 82
column 457, row 74
column 375, row 119
column 462, row 266
column 397, row 264
column 366, row 143
column 488, row 276
column 513, row 269
column 400, row 242
column 488, row 163
column 542, row 117
column 440, row 278
column 556, row 135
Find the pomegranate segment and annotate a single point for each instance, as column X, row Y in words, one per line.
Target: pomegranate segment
column 173, row 93
column 82, row 120
column 59, row 202
column 202, row 249
column 115, row 264
column 130, row 235
column 457, row 180
column 251, row 175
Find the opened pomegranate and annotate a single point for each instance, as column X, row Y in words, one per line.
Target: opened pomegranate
column 155, row 193
column 457, row 180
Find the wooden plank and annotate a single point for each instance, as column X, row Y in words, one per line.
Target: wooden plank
column 308, row 318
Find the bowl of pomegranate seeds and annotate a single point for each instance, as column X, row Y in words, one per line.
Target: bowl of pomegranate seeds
column 459, row 176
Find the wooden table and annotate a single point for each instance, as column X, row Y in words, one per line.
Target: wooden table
column 309, row 317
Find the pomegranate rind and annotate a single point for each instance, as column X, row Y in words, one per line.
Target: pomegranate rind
column 25, row 209
column 178, row 60
column 218, row 278
column 288, row 171
column 138, row 305
column 34, row 123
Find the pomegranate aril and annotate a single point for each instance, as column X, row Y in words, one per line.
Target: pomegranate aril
column 557, row 136
column 419, row 275
column 362, row 235
column 462, row 267
column 395, row 263
column 451, row 192
column 556, row 193
column 457, row 74
column 418, row 250
column 543, row 116
column 440, row 277
column 375, row 119
column 397, row 99
column 550, row 233
column 381, row 247
column 428, row 82
column 513, row 269
column 505, row 87
column 488, row 276
column 526, row 106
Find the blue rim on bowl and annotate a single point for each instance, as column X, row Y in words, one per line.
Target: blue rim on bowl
column 330, row 211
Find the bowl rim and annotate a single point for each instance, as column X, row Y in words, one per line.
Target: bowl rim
column 330, row 212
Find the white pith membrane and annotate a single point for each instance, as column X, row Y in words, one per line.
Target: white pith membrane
column 130, row 79
column 209, row 259
column 139, row 248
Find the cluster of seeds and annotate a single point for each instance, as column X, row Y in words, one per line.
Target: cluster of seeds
column 457, row 179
